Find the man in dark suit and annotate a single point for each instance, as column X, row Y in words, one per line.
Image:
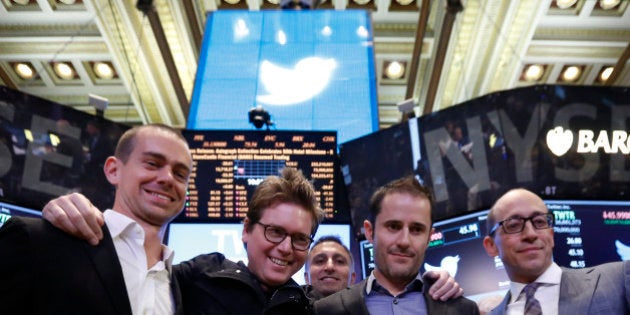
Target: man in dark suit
column 538, row 285
column 46, row 271
column 399, row 227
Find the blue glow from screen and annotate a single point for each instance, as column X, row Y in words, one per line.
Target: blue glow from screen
column 311, row 70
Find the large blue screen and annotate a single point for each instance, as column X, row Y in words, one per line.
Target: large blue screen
column 311, row 70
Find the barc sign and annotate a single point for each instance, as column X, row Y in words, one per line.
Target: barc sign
column 560, row 141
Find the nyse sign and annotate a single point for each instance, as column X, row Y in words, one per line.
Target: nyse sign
column 474, row 171
column 47, row 149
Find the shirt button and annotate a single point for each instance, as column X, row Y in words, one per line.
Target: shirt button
column 395, row 300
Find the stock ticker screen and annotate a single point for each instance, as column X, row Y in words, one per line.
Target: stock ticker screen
column 228, row 165
column 586, row 233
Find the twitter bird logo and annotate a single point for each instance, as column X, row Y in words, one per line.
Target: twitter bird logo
column 623, row 250
column 448, row 263
column 285, row 86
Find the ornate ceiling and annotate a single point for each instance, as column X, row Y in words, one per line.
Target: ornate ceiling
column 466, row 49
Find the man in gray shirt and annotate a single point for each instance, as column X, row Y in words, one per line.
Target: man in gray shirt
column 399, row 227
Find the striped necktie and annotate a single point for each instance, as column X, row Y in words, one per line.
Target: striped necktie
column 532, row 306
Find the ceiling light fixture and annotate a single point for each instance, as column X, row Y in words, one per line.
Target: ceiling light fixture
column 605, row 73
column 24, row 70
column 533, row 72
column 21, row 2
column 571, row 73
column 565, row 4
column 394, row 70
column 64, row 70
column 103, row 70
column 609, row 4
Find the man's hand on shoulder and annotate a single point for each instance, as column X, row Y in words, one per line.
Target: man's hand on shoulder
column 444, row 286
column 76, row 215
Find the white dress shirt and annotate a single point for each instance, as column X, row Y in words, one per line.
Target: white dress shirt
column 148, row 289
column 547, row 294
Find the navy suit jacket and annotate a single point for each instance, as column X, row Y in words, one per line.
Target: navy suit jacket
column 46, row 271
column 351, row 301
column 603, row 289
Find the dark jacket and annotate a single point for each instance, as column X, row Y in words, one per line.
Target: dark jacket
column 311, row 293
column 351, row 301
column 212, row 284
column 46, row 271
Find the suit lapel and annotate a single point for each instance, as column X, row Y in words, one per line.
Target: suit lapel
column 432, row 306
column 355, row 303
column 502, row 308
column 107, row 265
column 576, row 290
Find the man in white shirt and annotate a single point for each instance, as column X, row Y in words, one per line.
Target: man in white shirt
column 46, row 271
column 521, row 234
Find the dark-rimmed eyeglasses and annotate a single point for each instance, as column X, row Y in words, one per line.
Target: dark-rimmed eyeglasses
column 276, row 235
column 516, row 224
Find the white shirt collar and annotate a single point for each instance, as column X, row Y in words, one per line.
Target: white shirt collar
column 551, row 276
column 119, row 224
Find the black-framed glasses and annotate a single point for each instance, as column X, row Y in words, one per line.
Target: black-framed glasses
column 276, row 235
column 516, row 224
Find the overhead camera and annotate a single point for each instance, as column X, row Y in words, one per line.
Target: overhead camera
column 259, row 117
column 406, row 107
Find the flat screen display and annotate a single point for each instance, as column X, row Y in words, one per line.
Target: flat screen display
column 191, row 239
column 229, row 165
column 311, row 70
column 586, row 233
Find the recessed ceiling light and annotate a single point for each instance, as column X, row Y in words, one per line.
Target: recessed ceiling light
column 64, row 70
column 565, row 4
column 571, row 73
column 404, row 2
column 67, row 1
column 395, row 70
column 21, row 2
column 534, row 72
column 103, row 70
column 609, row 4
column 605, row 73
column 24, row 70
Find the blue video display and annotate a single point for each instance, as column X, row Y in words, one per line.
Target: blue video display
column 311, row 70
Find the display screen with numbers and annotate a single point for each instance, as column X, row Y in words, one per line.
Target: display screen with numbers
column 586, row 233
column 229, row 165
